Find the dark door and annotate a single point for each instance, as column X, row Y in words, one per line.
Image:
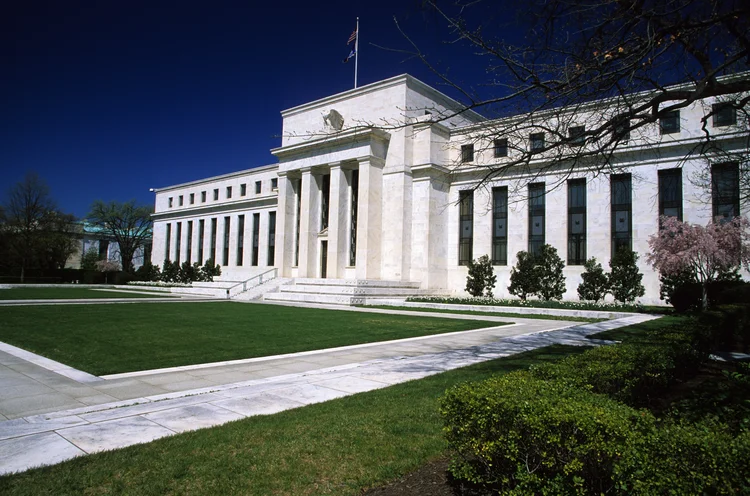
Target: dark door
column 323, row 258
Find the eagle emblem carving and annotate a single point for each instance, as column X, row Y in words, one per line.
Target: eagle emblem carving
column 332, row 120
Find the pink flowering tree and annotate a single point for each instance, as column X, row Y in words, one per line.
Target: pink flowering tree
column 706, row 251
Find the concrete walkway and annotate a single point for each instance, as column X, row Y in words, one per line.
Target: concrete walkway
column 55, row 413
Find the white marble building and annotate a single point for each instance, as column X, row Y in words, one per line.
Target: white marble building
column 368, row 186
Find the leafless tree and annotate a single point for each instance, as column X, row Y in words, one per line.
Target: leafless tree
column 127, row 223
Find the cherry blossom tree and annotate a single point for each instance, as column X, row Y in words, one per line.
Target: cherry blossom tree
column 706, row 251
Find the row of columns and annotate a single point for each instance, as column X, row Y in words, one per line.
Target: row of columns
column 369, row 220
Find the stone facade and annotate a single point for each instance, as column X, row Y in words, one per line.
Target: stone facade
column 368, row 185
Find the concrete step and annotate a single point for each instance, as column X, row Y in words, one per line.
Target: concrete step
column 351, row 290
column 360, row 283
column 331, row 299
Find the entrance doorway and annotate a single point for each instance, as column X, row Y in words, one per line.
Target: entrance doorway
column 323, row 258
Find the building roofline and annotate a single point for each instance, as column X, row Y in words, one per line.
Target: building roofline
column 261, row 168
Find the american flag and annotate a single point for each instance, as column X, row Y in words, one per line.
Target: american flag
column 352, row 37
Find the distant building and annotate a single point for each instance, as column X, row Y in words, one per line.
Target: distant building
column 399, row 203
column 94, row 238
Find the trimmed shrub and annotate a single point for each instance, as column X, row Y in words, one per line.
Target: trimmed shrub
column 685, row 459
column 595, row 285
column 624, row 277
column 170, row 271
column 549, row 274
column 523, row 282
column 481, row 279
column 516, row 434
column 148, row 272
column 209, row 271
column 188, row 273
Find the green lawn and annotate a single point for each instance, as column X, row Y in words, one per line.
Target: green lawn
column 71, row 293
column 108, row 339
column 339, row 447
column 492, row 314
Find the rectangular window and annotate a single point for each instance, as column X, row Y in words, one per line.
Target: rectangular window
column 724, row 114
column 257, row 187
column 216, row 194
column 189, row 254
column 669, row 123
column 192, row 198
column 536, row 141
column 203, row 197
column 622, row 130
column 274, row 184
column 225, row 257
column 271, row 239
column 240, row 238
column 171, row 202
column 201, row 237
column 256, row 239
column 243, row 189
column 325, row 194
column 213, row 240
column 536, row 217
column 180, row 201
column 501, row 147
column 725, row 191
column 229, row 192
column 622, row 208
column 670, row 193
column 467, row 153
column 178, row 239
column 500, row 226
column 576, row 222
column 353, row 219
column 577, row 135
column 298, row 195
column 466, row 226
column 167, row 242
column 103, row 249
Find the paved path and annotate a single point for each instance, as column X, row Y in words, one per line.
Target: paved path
column 55, row 416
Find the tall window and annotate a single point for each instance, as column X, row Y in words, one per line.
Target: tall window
column 669, row 123
column 622, row 129
column 467, row 153
column 353, row 219
column 225, row 257
column 180, row 200
column 297, row 221
column 725, row 191
column 724, row 114
column 216, row 194
column 213, row 240
column 256, row 236
column 271, row 239
column 577, row 135
column 178, row 235
column 201, row 237
column 240, row 238
column 192, row 198
column 576, row 222
column 229, row 192
column 171, row 202
column 325, row 194
column 274, row 183
column 103, row 249
column 243, row 189
column 189, row 253
column 622, row 207
column 536, row 217
column 466, row 226
column 168, row 241
column 257, row 187
column 500, row 226
column 501, row 147
column 203, row 197
column 536, row 141
column 670, row 193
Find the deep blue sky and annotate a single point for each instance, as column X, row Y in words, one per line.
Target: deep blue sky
column 105, row 100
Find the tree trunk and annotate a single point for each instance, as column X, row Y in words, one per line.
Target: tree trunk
column 704, row 296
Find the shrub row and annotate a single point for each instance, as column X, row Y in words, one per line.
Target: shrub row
column 572, row 427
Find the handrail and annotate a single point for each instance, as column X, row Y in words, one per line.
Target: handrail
column 245, row 284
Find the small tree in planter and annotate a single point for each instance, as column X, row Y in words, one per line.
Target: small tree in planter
column 523, row 281
column 624, row 278
column 107, row 266
column 481, row 278
column 595, row 285
column 707, row 251
column 548, row 271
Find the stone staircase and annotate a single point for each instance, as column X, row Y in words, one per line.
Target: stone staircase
column 344, row 291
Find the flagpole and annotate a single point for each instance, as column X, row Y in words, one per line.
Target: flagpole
column 356, row 54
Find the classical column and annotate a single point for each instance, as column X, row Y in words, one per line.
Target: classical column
column 369, row 218
column 309, row 225
column 285, row 222
column 337, row 222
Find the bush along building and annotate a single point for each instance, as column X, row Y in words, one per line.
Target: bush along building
column 394, row 188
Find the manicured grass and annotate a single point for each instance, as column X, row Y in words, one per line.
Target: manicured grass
column 339, row 447
column 492, row 314
column 72, row 293
column 108, row 339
